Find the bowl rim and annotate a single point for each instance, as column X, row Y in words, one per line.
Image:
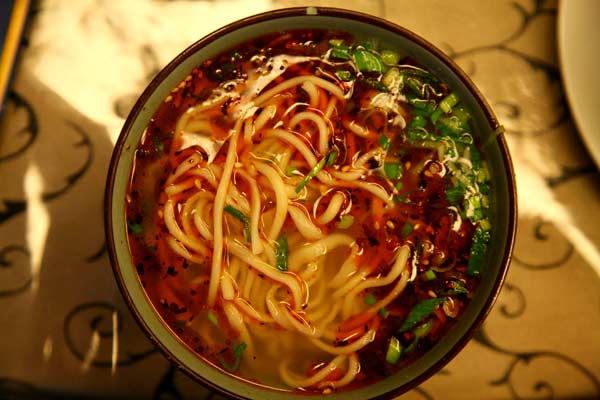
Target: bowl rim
column 342, row 14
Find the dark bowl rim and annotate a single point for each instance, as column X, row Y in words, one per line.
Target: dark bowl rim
column 342, row 14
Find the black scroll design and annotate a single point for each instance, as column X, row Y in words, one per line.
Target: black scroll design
column 29, row 129
column 98, row 254
column 5, row 263
column 516, row 307
column 97, row 317
column 423, row 393
column 166, row 388
column 16, row 389
column 541, row 387
column 16, row 207
column 511, row 109
column 569, row 173
column 541, row 236
column 151, row 64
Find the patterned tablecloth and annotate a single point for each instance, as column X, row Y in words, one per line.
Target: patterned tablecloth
column 82, row 67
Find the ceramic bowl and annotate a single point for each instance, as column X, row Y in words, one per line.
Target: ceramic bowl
column 502, row 209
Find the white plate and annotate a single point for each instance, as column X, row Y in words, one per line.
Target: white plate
column 579, row 52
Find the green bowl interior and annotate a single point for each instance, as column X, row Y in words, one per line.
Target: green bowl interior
column 502, row 205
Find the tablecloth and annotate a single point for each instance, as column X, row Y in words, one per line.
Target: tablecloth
column 82, row 66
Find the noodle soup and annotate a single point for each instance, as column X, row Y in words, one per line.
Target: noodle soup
column 309, row 211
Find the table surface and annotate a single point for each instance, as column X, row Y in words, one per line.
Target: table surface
column 84, row 64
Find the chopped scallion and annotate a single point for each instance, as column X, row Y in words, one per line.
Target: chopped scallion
column 289, row 170
column 420, row 311
column 423, row 329
column 212, row 317
column 331, row 158
column 346, row 221
column 418, row 121
column 407, row 229
column 385, row 142
column 392, row 170
column 134, row 227
column 390, row 57
column 341, row 52
column 238, row 350
column 344, row 75
column 237, row 214
column 485, row 224
column 281, row 255
column 367, row 62
column 429, row 275
column 391, row 78
column 478, row 249
column 370, row 299
column 394, row 351
column 448, row 102
column 311, row 174
column 383, row 313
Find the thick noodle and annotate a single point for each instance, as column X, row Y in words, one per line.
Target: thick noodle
column 235, row 214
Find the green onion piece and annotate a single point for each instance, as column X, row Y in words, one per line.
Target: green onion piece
column 455, row 194
column 341, row 52
column 435, row 115
column 345, row 222
column 483, row 175
column 450, row 125
column 238, row 350
column 418, row 121
column 344, row 75
column 311, row 174
column 407, row 229
column 423, row 106
column 399, row 186
column 367, row 62
column 385, row 142
column 281, row 255
column 485, row 224
column 455, row 287
column 392, row 170
column 478, row 249
column 158, row 146
column 429, row 275
column 419, row 312
column 336, row 42
column 383, row 313
column 391, row 77
column 394, row 351
column 448, row 102
column 370, row 299
column 375, row 84
column 418, row 134
column 237, row 214
column 331, row 158
column 474, row 208
column 134, row 227
column 462, row 114
column 389, row 57
column 422, row 330
column 212, row 317
column 289, row 170
column 414, row 84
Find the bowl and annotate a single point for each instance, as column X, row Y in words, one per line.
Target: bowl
column 502, row 208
